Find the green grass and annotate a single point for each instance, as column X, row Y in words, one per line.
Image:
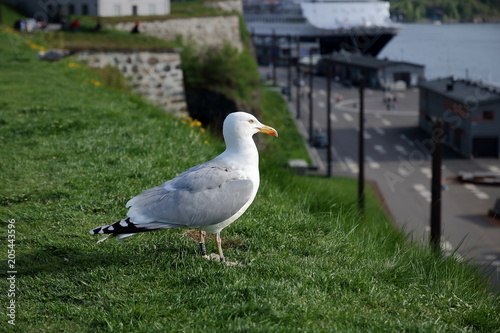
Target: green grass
column 277, row 113
column 9, row 15
column 105, row 40
column 225, row 70
column 74, row 152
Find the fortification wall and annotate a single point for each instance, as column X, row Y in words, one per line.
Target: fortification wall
column 200, row 31
column 157, row 76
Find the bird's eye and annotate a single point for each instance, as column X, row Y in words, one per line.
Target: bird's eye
column 251, row 121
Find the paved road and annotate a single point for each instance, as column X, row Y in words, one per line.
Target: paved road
column 396, row 158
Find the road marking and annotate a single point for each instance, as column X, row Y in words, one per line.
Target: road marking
column 380, row 149
column 403, row 171
column 426, row 171
column 337, row 157
column 367, row 135
column 477, row 192
column 322, row 92
column 401, row 149
column 386, row 122
column 347, row 116
column 353, row 166
column 321, row 104
column 372, row 163
column 482, row 195
column 405, row 138
column 423, row 191
column 333, row 117
column 494, row 168
column 379, row 130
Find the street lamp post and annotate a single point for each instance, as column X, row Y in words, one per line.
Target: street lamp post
column 328, row 118
column 289, row 40
column 437, row 157
column 361, row 146
column 273, row 55
column 298, row 78
column 310, row 95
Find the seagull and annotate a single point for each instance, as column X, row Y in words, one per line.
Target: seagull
column 208, row 197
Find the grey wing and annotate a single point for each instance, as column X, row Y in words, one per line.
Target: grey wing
column 200, row 196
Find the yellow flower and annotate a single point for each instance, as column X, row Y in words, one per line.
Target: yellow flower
column 206, row 142
column 202, row 130
column 36, row 46
column 74, row 65
column 95, row 83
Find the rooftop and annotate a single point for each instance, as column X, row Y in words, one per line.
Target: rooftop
column 357, row 60
column 463, row 89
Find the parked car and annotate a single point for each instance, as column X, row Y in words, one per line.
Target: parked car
column 285, row 90
column 320, row 140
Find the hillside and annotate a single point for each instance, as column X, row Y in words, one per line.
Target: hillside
column 74, row 150
column 447, row 10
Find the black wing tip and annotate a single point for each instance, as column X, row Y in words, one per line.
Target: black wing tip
column 124, row 226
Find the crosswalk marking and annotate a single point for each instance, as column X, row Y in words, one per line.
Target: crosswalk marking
column 423, row 191
column 348, row 117
column 372, row 163
column 408, row 141
column 386, row 122
column 494, row 168
column 401, row 149
column 380, row 149
column 426, row 171
column 477, row 192
column 352, row 165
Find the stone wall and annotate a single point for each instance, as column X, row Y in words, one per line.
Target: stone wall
column 157, row 76
column 200, row 31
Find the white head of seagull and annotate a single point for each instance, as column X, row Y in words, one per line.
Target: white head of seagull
column 209, row 196
column 241, row 152
column 240, row 126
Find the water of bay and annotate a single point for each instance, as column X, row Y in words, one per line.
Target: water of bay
column 461, row 50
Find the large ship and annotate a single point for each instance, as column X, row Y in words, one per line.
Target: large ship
column 357, row 26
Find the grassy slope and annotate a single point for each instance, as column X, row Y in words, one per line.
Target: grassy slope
column 74, row 152
column 9, row 15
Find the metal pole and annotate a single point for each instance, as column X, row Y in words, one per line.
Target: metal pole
column 273, row 56
column 361, row 146
column 289, row 38
column 328, row 118
column 437, row 156
column 298, row 78
column 310, row 95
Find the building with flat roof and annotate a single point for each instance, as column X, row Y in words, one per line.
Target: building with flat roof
column 378, row 73
column 52, row 11
column 470, row 111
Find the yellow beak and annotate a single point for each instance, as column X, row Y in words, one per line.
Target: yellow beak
column 268, row 130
